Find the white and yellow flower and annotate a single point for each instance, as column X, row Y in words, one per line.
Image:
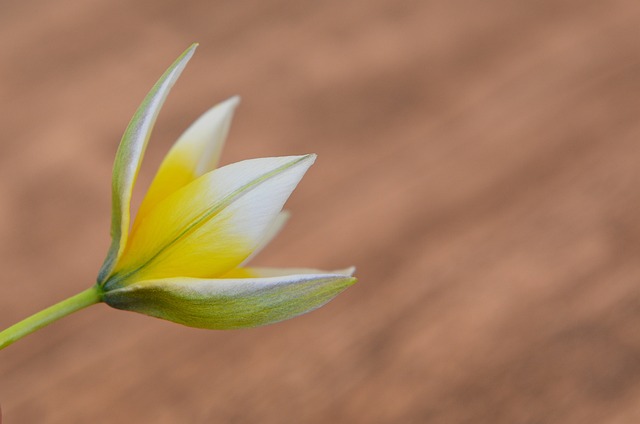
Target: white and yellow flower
column 183, row 257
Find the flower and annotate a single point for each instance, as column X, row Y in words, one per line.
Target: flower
column 184, row 257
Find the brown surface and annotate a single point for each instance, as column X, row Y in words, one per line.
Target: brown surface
column 478, row 162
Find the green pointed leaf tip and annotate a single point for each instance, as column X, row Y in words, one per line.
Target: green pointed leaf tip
column 129, row 157
column 229, row 304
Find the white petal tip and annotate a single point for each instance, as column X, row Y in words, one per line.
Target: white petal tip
column 232, row 101
column 346, row 272
column 190, row 51
column 224, row 109
column 285, row 215
column 311, row 157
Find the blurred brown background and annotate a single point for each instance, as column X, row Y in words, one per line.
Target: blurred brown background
column 478, row 163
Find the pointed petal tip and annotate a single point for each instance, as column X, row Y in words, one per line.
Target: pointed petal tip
column 191, row 49
column 346, row 271
column 310, row 158
column 188, row 53
column 227, row 107
column 285, row 214
column 346, row 275
column 305, row 161
column 220, row 113
column 350, row 281
column 232, row 101
column 298, row 160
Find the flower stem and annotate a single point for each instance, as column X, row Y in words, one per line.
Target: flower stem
column 49, row 315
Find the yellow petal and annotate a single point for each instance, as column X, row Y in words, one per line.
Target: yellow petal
column 212, row 224
column 196, row 152
column 129, row 156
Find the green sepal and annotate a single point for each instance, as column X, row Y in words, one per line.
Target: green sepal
column 229, row 303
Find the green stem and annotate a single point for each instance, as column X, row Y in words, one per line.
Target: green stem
column 49, row 315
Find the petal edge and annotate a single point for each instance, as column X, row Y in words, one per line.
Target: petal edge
column 129, row 156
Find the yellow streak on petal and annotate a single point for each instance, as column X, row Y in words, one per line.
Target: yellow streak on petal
column 175, row 172
column 165, row 245
column 196, row 152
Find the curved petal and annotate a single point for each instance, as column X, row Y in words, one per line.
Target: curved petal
column 196, row 152
column 129, row 156
column 211, row 225
column 229, row 303
column 262, row 272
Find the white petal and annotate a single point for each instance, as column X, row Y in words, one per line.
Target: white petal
column 273, row 230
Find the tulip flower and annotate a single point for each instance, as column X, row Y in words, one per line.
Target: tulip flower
column 184, row 257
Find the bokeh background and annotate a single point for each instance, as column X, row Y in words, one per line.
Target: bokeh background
column 478, row 163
